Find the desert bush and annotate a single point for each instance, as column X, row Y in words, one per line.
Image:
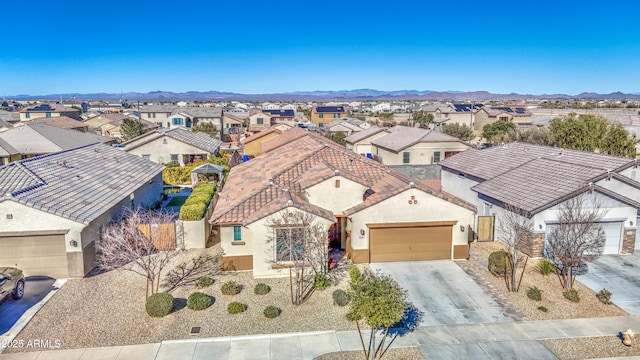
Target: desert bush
column 192, row 212
column 497, row 261
column 271, row 312
column 261, row 289
column 321, row 281
column 543, row 308
column 236, row 307
column 545, row 267
column 340, row 297
column 204, row 281
column 230, row 288
column 159, row 304
column 571, row 294
column 604, row 296
column 354, row 273
column 198, row 301
column 534, row 293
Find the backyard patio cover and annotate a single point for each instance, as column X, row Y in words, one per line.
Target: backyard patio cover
column 206, row 169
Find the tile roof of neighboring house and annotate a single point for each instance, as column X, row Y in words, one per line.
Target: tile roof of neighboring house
column 44, row 138
column 284, row 138
column 6, row 149
column 533, row 177
column 280, row 113
column 194, row 138
column 239, row 117
column 514, row 111
column 401, row 137
column 157, row 108
column 5, row 124
column 350, row 121
column 329, row 109
column 263, row 186
column 361, row 135
column 9, row 116
column 63, row 122
column 491, row 162
column 258, row 135
column 49, row 108
column 78, row 184
column 117, row 120
column 201, row 112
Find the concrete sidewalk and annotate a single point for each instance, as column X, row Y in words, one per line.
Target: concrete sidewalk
column 475, row 341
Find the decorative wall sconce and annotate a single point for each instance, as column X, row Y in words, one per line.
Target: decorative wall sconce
column 362, row 232
column 462, row 228
column 73, row 243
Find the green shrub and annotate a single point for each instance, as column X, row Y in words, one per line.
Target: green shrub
column 604, row 296
column 321, row 281
column 545, row 267
column 236, row 307
column 271, row 312
column 354, row 273
column 230, row 288
column 197, row 199
column 571, row 294
column 159, row 304
column 497, row 261
column 261, row 289
column 192, row 212
column 340, row 297
column 543, row 308
column 204, row 281
column 172, row 164
column 534, row 293
column 204, row 189
column 199, row 301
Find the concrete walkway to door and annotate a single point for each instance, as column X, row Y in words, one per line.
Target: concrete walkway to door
column 444, row 293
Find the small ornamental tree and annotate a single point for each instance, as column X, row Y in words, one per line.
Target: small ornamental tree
column 380, row 302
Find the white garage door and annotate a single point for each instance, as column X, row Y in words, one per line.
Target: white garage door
column 613, row 233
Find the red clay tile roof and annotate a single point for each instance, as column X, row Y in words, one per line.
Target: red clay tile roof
column 284, row 138
column 260, row 134
column 264, row 185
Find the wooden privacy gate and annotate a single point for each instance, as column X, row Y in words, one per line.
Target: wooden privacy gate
column 486, row 225
column 162, row 235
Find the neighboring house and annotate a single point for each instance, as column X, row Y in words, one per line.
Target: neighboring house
column 259, row 121
column 346, row 126
column 234, row 123
column 253, row 144
column 281, row 115
column 415, row 146
column 538, row 179
column 490, row 114
column 10, row 117
column 4, row 125
column 374, row 213
column 360, row 142
column 191, row 116
column 63, row 122
column 270, row 106
column 54, row 206
column 382, row 107
column 111, row 124
column 456, row 114
column 164, row 145
column 48, row 110
column 38, row 139
column 322, row 115
column 157, row 114
column 8, row 153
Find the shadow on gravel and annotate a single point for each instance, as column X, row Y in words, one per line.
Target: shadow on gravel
column 179, row 304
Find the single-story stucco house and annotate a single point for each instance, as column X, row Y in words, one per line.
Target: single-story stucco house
column 538, row 180
column 375, row 213
column 52, row 207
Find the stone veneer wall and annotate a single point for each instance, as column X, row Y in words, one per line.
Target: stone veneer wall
column 535, row 248
column 629, row 241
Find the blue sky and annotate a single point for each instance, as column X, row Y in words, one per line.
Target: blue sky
column 534, row 47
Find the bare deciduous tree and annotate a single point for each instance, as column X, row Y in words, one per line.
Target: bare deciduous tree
column 578, row 236
column 123, row 244
column 299, row 240
column 190, row 270
column 515, row 229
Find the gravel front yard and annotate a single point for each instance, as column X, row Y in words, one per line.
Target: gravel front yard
column 108, row 309
column 591, row 348
column 412, row 353
column 552, row 298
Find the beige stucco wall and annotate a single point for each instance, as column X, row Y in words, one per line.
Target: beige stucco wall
column 364, row 146
column 460, row 118
column 160, row 152
column 397, row 209
column 336, row 200
column 160, row 117
column 420, row 154
column 266, row 120
column 256, row 237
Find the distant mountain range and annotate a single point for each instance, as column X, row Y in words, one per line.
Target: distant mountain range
column 351, row 95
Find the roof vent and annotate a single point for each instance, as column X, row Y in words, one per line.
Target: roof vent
column 271, row 181
column 336, row 172
column 289, row 202
column 412, row 184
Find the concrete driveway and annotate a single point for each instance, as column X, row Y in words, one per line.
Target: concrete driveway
column 444, row 293
column 35, row 289
column 619, row 274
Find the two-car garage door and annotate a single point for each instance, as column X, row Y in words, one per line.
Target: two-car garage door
column 410, row 241
column 35, row 254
